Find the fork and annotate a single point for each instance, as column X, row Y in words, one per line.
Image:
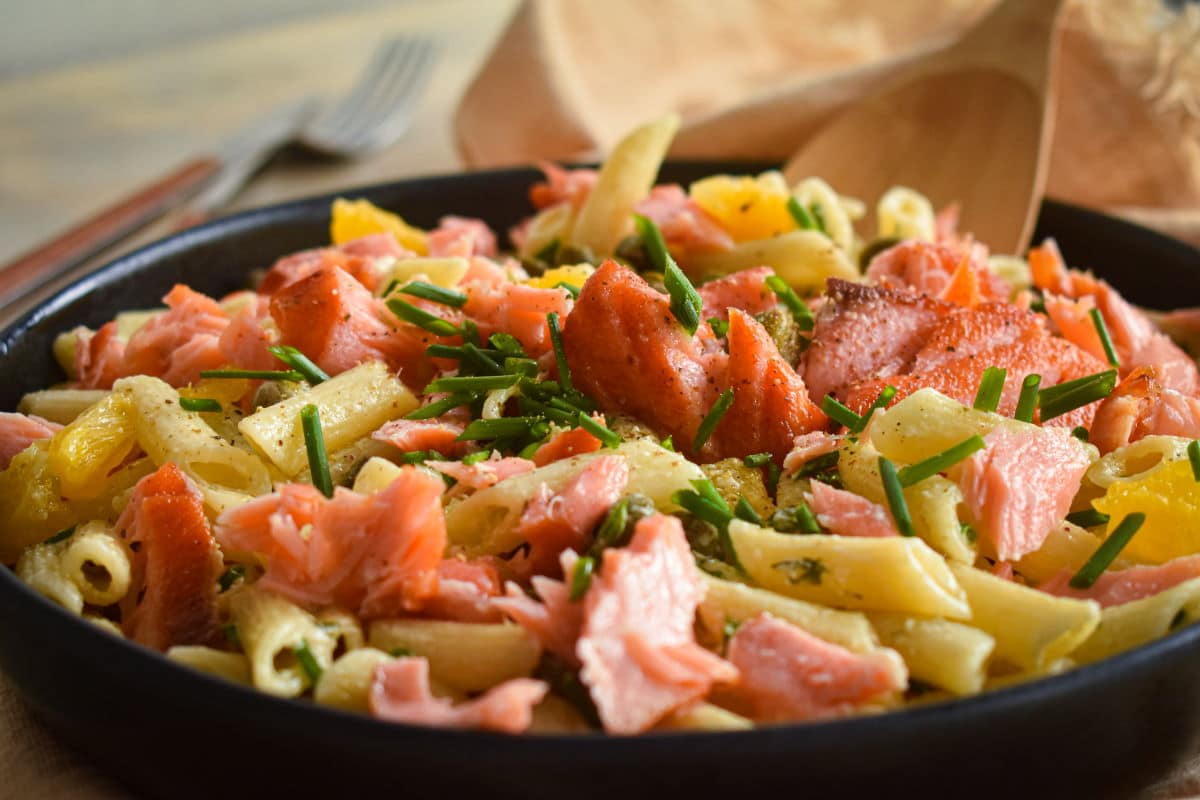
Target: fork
column 375, row 113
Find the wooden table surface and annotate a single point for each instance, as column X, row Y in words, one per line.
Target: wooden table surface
column 74, row 140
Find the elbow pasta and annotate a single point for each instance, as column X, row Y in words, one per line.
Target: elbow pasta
column 621, row 530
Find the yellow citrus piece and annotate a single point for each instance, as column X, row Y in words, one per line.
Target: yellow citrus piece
column 225, row 391
column 575, row 275
column 83, row 453
column 354, row 219
column 1170, row 498
column 746, row 207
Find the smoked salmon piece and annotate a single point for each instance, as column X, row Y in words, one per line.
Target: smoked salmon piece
column 172, row 598
column 746, row 290
column 686, row 227
column 331, row 318
column 1020, row 486
column 789, row 675
column 771, row 406
column 1141, row 407
column 564, row 520
column 356, row 258
column 968, row 332
column 400, row 693
column 864, row 332
column 628, row 352
column 99, row 357
column 562, row 186
column 928, row 268
column 481, row 474
column 376, row 554
column 517, row 309
column 564, row 444
column 181, row 342
column 639, row 655
column 243, row 344
column 408, row 435
column 808, row 446
column 556, row 621
column 18, row 431
column 461, row 237
column 1114, row 588
column 847, row 514
column 466, row 591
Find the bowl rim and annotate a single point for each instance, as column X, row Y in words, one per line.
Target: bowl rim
column 122, row 655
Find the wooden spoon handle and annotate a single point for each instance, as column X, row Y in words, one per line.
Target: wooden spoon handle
column 45, row 263
column 1017, row 36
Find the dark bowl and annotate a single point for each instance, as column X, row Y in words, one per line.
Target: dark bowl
column 1103, row 730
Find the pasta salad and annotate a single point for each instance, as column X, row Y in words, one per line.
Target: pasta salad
column 703, row 457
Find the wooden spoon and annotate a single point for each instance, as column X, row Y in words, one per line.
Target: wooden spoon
column 969, row 124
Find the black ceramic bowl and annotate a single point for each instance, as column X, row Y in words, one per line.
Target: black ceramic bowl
column 1102, row 730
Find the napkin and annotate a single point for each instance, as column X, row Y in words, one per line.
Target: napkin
column 755, row 78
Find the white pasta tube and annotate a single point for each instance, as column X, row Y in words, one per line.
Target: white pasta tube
column 455, row 650
column 375, row 476
column 704, row 717
column 40, row 568
column 347, row 683
column 444, row 272
column 1132, row 624
column 892, row 573
column 233, row 667
column 344, row 627
column 814, row 192
column 97, row 563
column 905, row 214
column 949, row 655
column 803, row 259
column 351, row 406
column 271, row 631
column 1137, row 461
column 60, row 405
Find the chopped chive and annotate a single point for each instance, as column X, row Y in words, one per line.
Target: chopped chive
column 1080, row 433
column 507, row 343
column 795, row 519
column 601, row 432
column 400, row 652
column 472, row 383
column 668, row 443
column 1106, row 341
column 470, row 333
column 885, row 397
column 421, row 318
column 299, row 362
column 1107, row 552
column 548, row 253
column 495, row 428
column 720, row 327
column 874, row 248
column 713, row 418
column 392, row 284
column 199, row 404
column 941, row 462
column 806, row 519
column 475, row 458
column 439, row 407
column 685, row 300
column 819, row 464
column 1193, row 451
column 61, row 536
column 612, row 529
column 420, row 456
column 1054, row 401
column 436, row 294
column 774, row 473
column 1027, row 402
column 231, row 576
column 581, row 577
column 528, row 450
column 458, row 351
column 308, row 662
column 991, row 386
column 560, row 354
column 757, row 460
column 803, row 216
column 709, row 492
column 841, row 414
column 968, row 533
column 254, row 374
column 1088, row 518
column 571, row 288
column 230, row 632
column 800, row 311
column 895, row 496
column 744, row 511
column 706, row 504
column 819, row 216
column 314, row 442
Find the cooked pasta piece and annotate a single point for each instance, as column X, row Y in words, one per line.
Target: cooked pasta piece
column 903, row 213
column 882, row 574
column 64, row 349
column 40, row 568
column 803, row 259
column 375, row 475
column 1032, row 629
column 453, row 649
column 60, row 405
column 130, row 322
column 271, row 631
column 97, row 563
column 344, row 627
column 705, row 717
column 1128, row 625
column 625, row 178
column 347, row 683
column 1136, row 461
column 548, row 226
column 484, row 522
column 950, row 655
column 225, row 474
column 351, row 405
column 835, row 216
column 230, row 666
column 554, row 715
column 444, row 272
column 726, row 601
column 1067, row 546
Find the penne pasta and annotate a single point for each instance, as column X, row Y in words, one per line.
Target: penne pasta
column 835, row 216
column 803, row 259
column 233, row 667
column 444, row 272
column 98, row 564
column 375, row 475
column 950, row 655
column 1067, row 547
column 40, row 568
column 903, row 213
column 1128, row 625
column 347, row 682
column 271, row 631
column 453, row 649
column 705, row 717
column 60, row 405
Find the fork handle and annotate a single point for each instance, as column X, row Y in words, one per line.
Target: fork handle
column 38, row 267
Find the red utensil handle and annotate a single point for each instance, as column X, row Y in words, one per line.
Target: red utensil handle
column 47, row 262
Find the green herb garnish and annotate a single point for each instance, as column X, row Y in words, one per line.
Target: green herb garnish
column 668, row 444
column 720, row 327
column 796, row 519
column 757, row 460
column 1027, row 402
column 686, row 303
column 1080, row 433
column 472, row 383
column 436, row 294
column 421, row 318
column 800, row 311
column 231, row 576
column 713, row 418
column 581, row 577
column 300, row 363
column 439, row 407
column 895, row 497
column 941, row 462
column 314, row 443
column 570, row 288
column 1107, row 552
column 803, row 215
column 841, row 414
column 609, row 437
column 61, row 536
column 475, row 458
column 308, row 662
column 1106, row 341
column 560, row 354
column 1054, row 401
column 1088, row 518
column 254, row 374
column 885, row 397
column 495, row 428
column 991, row 386
column 400, row 652
column 744, row 511
column 199, row 404
column 801, row 570
column 1193, row 451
